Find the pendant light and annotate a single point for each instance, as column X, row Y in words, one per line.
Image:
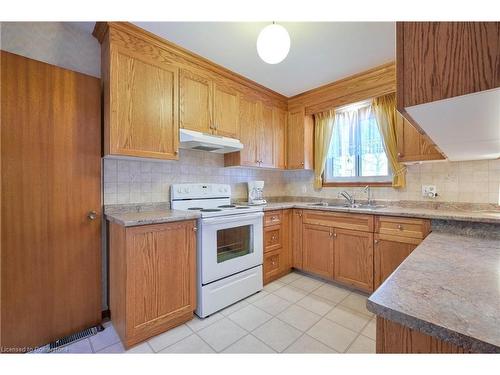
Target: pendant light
column 273, row 44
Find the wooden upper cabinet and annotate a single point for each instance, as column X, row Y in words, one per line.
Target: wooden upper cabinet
column 354, row 258
column 412, row 145
column 226, row 113
column 248, row 135
column 300, row 140
column 279, row 126
column 141, row 117
column 318, row 250
column 265, row 133
column 195, row 104
column 439, row 60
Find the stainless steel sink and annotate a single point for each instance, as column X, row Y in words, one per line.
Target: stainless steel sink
column 349, row 206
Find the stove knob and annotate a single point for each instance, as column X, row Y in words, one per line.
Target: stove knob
column 179, row 190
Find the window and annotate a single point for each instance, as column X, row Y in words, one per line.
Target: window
column 356, row 151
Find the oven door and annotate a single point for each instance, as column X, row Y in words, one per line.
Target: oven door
column 230, row 244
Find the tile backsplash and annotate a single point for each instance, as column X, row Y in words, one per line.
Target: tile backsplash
column 145, row 180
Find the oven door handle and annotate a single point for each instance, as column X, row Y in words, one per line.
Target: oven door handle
column 231, row 218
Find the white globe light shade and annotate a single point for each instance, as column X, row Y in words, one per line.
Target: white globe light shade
column 273, row 44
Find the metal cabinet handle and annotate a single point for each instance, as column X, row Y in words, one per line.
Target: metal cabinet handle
column 195, row 229
column 302, row 163
column 92, row 215
column 335, row 235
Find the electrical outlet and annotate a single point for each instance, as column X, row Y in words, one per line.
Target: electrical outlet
column 429, row 191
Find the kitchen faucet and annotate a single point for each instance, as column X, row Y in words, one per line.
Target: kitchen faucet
column 368, row 191
column 348, row 197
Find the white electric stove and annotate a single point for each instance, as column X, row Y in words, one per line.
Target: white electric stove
column 229, row 248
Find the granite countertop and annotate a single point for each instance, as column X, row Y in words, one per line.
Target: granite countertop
column 449, row 287
column 130, row 219
column 485, row 216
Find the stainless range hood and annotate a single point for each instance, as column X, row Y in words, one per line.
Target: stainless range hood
column 193, row 140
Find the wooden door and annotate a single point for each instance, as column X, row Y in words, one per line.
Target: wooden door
column 161, row 275
column 248, row 132
column 195, row 103
column 296, row 238
column 51, row 180
column 318, row 249
column 144, row 102
column 354, row 258
column 226, row 111
column 265, row 131
column 389, row 253
column 279, row 126
column 295, row 137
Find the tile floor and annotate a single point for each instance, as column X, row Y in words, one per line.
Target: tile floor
column 295, row 314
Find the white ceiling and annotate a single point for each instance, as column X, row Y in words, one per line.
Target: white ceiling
column 320, row 52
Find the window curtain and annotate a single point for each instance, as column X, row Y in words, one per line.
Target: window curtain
column 385, row 111
column 323, row 129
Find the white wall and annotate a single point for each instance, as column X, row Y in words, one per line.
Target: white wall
column 65, row 44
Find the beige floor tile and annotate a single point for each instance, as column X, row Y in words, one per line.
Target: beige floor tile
column 289, row 293
column 277, row 334
column 275, row 285
column 362, row 345
column 331, row 292
column 222, row 334
column 370, row 330
column 190, row 344
column 316, row 304
column 104, row 338
column 255, row 297
column 307, row 284
column 250, row 317
column 170, row 337
column 332, row 334
column 299, row 317
column 272, row 304
column 292, row 276
column 234, row 307
column 307, row 344
column 142, row 348
column 348, row 318
column 82, row 346
column 115, row 348
column 198, row 323
column 249, row 344
column 357, row 302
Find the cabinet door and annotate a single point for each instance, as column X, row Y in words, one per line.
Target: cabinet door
column 143, row 101
column 295, row 136
column 317, row 242
column 296, row 236
column 279, row 126
column 354, row 258
column 390, row 252
column 266, row 136
column 226, row 111
column 161, row 275
column 195, row 109
column 286, row 250
column 272, row 266
column 248, row 132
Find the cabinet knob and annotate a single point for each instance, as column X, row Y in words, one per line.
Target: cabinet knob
column 335, row 235
column 400, row 227
column 92, row 215
column 302, row 163
column 376, row 241
column 195, row 229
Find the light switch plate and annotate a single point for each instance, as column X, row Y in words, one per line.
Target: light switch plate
column 429, row 191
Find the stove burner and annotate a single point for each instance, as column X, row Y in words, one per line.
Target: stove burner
column 242, row 207
column 211, row 210
column 227, row 206
column 195, row 208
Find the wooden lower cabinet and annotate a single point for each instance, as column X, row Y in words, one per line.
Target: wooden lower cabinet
column 354, row 258
column 152, row 278
column 277, row 244
column 395, row 338
column 296, row 238
column 389, row 253
column 318, row 250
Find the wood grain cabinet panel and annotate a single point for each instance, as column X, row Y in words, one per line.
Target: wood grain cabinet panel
column 296, row 238
column 196, row 97
column 273, row 217
column 266, row 136
column 339, row 220
column 299, row 140
column 318, row 250
column 279, row 127
column 402, row 226
column 152, row 278
column 143, row 116
column 226, row 111
column 272, row 238
column 354, row 258
column 277, row 246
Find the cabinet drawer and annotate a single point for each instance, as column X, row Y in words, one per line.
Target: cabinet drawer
column 401, row 226
column 339, row 220
column 272, row 264
column 272, row 238
column 272, row 217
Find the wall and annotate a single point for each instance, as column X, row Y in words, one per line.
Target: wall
column 139, row 181
column 68, row 45
column 469, row 181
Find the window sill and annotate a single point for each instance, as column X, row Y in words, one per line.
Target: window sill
column 358, row 183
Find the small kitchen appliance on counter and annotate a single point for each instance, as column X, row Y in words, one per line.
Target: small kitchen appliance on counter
column 255, row 193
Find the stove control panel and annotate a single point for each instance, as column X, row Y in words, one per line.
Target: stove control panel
column 196, row 191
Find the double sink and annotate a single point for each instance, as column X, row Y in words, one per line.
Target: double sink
column 348, row 206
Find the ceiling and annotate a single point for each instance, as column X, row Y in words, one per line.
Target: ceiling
column 320, row 52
